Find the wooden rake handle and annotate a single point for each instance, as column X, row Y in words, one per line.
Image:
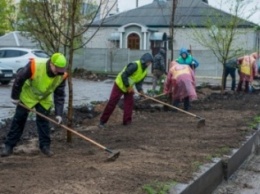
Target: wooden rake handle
column 174, row 107
column 153, row 97
column 67, row 128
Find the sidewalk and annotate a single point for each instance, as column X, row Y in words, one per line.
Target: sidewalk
column 245, row 180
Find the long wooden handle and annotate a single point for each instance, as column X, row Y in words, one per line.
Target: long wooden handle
column 153, row 97
column 174, row 107
column 65, row 127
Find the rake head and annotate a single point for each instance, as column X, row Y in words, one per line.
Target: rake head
column 201, row 123
column 113, row 156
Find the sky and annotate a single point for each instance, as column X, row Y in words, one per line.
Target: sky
column 125, row 5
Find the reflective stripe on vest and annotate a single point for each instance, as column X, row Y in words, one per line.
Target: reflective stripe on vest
column 136, row 77
column 39, row 88
column 180, row 70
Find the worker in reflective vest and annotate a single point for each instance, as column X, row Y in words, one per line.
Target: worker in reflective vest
column 34, row 87
column 133, row 74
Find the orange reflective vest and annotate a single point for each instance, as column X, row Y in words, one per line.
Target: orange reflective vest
column 178, row 70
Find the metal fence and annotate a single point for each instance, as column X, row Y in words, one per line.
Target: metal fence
column 113, row 60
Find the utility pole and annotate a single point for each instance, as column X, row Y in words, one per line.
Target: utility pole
column 136, row 4
column 171, row 39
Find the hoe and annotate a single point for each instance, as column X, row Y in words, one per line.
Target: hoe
column 201, row 122
column 113, row 154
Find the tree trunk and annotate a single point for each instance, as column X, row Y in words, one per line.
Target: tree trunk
column 223, row 80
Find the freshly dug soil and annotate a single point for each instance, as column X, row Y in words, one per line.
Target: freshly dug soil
column 160, row 147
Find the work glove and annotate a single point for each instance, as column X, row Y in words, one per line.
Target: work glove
column 130, row 90
column 58, row 119
column 15, row 101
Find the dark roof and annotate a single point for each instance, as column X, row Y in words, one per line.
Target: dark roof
column 158, row 14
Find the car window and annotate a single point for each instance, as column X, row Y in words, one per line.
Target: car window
column 13, row 53
column 2, row 53
column 41, row 54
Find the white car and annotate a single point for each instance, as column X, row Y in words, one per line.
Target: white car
column 7, row 74
column 17, row 58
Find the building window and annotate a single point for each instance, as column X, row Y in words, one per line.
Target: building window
column 133, row 41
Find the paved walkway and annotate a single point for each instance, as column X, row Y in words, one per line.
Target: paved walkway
column 245, row 180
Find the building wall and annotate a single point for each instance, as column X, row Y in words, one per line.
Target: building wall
column 184, row 37
column 100, row 40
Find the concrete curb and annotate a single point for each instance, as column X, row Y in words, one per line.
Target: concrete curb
column 232, row 163
column 211, row 175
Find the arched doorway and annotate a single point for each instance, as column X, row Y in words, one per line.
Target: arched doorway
column 133, row 41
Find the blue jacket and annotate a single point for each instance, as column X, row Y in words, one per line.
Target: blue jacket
column 189, row 60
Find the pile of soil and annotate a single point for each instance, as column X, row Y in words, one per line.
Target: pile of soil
column 160, row 147
column 82, row 73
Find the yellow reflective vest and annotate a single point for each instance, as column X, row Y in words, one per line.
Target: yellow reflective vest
column 136, row 77
column 39, row 88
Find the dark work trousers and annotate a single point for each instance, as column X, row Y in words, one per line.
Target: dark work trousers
column 157, row 74
column 186, row 103
column 232, row 73
column 239, row 86
column 18, row 125
column 115, row 96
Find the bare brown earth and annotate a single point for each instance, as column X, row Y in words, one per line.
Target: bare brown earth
column 158, row 148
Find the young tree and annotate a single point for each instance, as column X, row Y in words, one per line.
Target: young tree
column 112, row 53
column 223, row 32
column 171, row 30
column 59, row 26
column 7, row 16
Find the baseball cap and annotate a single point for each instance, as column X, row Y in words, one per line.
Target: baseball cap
column 59, row 61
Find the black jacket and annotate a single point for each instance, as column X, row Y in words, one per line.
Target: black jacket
column 159, row 63
column 232, row 63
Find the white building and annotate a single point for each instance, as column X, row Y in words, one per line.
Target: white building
column 148, row 26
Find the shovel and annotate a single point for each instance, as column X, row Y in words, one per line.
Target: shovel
column 113, row 154
column 201, row 122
